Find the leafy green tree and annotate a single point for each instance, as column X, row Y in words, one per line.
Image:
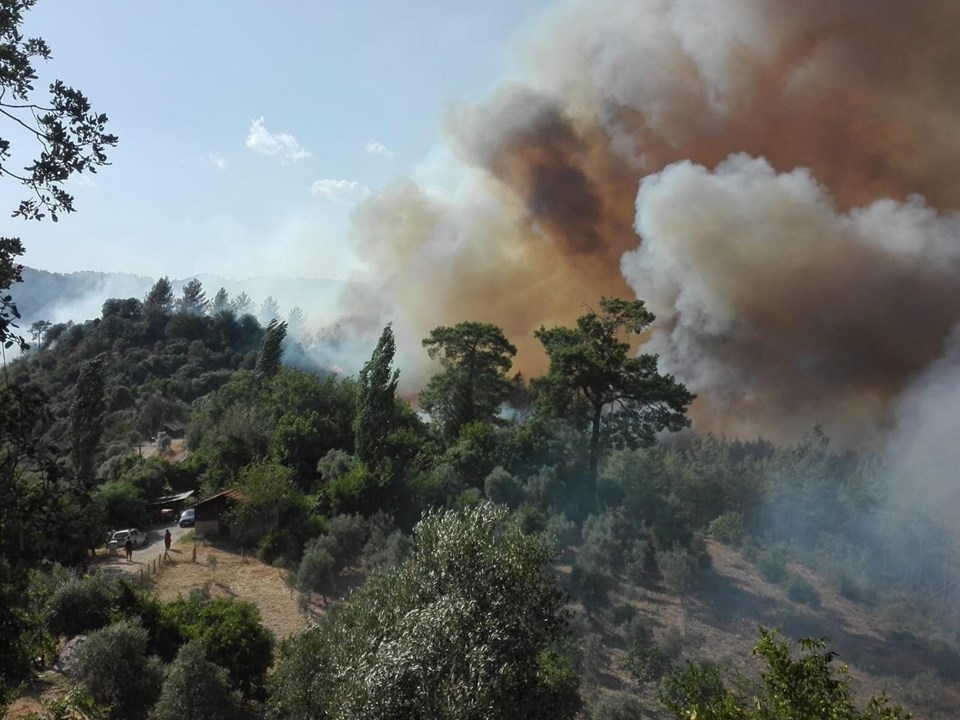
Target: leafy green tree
column 316, row 573
column 78, row 605
column 232, row 634
column 242, row 304
column 472, row 382
column 193, row 301
column 271, row 349
column 793, row 686
column 11, row 272
column 112, row 665
column 72, row 140
column 267, row 490
column 19, row 628
column 468, row 626
column 122, row 501
column 221, row 301
column 591, row 367
column 87, row 416
column 691, row 685
column 195, row 689
column 269, row 311
column 376, row 400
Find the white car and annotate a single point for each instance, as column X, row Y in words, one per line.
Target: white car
column 139, row 539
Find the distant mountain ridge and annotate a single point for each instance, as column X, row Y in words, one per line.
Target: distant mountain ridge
column 79, row 296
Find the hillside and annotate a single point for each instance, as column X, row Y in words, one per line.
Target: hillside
column 78, row 296
column 328, row 477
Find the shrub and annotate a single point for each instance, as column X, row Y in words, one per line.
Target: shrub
column 590, row 583
column 317, row 570
column 347, row 533
column 727, row 528
column 386, row 546
column 530, row 520
column 232, row 634
column 391, row 553
column 638, row 631
column 646, row 663
column 565, row 531
column 195, row 688
column 273, row 545
column 615, row 705
column 772, row 563
column 592, row 659
column 604, row 540
column 79, row 605
column 679, row 570
column 641, row 560
column 502, row 487
column 112, row 665
column 691, row 685
column 801, row 591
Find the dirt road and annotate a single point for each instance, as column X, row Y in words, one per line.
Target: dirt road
column 151, row 551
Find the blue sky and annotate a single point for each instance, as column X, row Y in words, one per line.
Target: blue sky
column 249, row 128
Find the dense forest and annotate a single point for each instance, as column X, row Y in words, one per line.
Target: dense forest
column 456, row 509
column 478, row 550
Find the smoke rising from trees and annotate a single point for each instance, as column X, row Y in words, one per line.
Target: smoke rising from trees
column 793, row 232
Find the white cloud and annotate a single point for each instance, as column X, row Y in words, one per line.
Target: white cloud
column 218, row 161
column 375, row 147
column 280, row 146
column 345, row 192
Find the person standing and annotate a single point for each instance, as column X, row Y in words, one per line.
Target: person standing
column 128, row 546
column 167, row 539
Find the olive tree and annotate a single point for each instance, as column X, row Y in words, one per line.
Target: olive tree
column 467, row 626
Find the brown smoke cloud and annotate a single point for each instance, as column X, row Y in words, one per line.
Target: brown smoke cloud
column 781, row 149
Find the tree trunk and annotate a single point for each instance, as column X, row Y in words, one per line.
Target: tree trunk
column 594, row 457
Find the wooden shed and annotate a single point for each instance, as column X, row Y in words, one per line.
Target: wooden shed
column 211, row 514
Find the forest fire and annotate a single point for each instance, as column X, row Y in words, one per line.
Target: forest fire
column 793, row 230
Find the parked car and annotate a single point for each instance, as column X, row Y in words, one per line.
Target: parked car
column 187, row 519
column 138, row 538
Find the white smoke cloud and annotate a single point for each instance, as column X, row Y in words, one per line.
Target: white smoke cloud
column 756, row 277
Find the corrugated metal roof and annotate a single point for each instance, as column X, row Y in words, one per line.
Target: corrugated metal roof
column 171, row 498
column 232, row 493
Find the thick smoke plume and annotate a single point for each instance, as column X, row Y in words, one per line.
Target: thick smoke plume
column 797, row 164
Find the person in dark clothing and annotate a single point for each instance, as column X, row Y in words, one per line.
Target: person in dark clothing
column 167, row 539
column 128, row 546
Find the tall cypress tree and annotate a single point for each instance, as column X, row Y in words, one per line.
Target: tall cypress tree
column 376, row 397
column 87, row 416
column 271, row 349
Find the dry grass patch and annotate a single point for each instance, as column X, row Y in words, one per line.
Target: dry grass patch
column 224, row 572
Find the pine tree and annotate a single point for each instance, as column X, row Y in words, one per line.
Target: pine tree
column 472, row 383
column 296, row 321
column 221, row 301
column 242, row 304
column 269, row 311
column 194, row 299
column 160, row 297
